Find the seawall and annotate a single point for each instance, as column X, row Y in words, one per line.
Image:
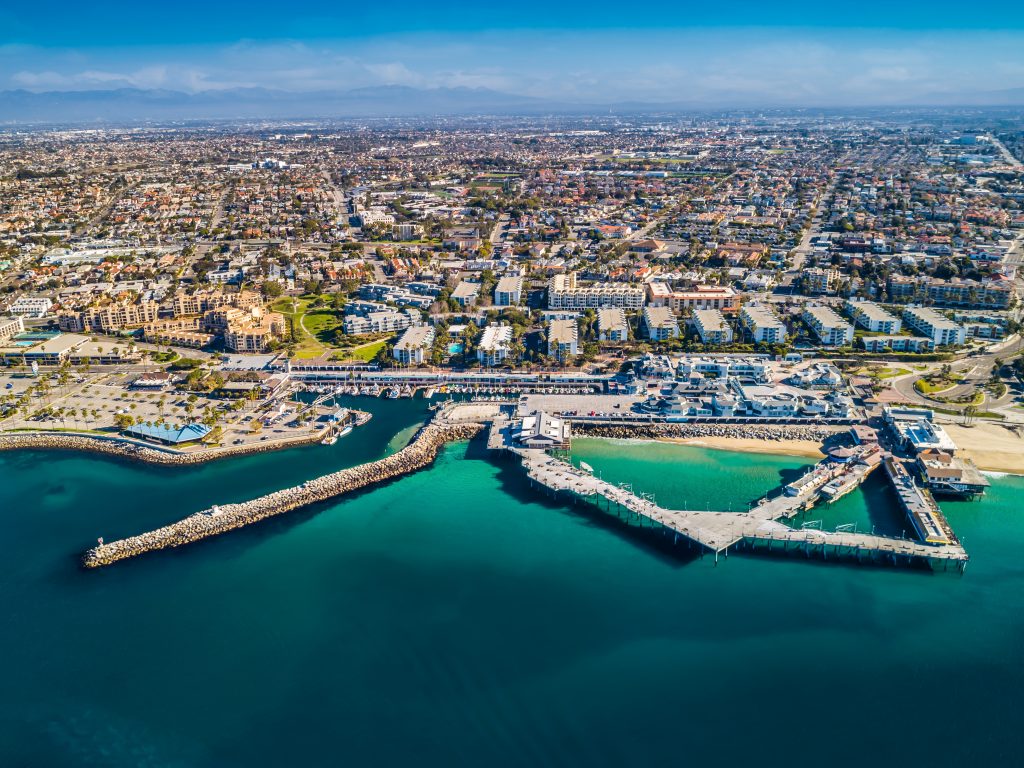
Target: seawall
column 683, row 430
column 219, row 519
column 115, row 445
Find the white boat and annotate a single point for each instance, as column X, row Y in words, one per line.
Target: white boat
column 345, row 431
column 586, row 467
column 329, row 440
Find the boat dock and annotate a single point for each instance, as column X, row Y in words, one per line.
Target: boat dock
column 717, row 532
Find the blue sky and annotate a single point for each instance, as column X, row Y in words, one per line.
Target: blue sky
column 741, row 52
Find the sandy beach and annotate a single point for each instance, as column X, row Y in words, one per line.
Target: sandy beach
column 990, row 446
column 808, row 448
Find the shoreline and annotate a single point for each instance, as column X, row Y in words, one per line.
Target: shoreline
column 782, row 447
column 124, row 448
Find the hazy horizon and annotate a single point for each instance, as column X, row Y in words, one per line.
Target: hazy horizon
column 802, row 54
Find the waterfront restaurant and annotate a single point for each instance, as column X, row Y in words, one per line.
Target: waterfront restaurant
column 169, row 435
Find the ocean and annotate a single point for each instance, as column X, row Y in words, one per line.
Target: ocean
column 457, row 617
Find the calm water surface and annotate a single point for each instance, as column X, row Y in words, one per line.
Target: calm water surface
column 455, row 617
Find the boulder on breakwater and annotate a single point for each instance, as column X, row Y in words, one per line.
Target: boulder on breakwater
column 219, row 519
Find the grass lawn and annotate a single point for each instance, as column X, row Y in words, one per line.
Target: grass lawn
column 926, row 387
column 312, row 330
column 364, row 352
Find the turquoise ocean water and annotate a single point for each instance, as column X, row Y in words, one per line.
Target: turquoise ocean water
column 456, row 617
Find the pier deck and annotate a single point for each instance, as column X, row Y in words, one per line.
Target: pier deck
column 718, row 531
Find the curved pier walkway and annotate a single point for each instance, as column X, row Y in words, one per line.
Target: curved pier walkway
column 719, row 531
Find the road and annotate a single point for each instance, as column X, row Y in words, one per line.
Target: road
column 1007, row 155
column 804, row 248
column 973, row 373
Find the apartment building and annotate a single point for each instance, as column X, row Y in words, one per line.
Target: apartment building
column 34, row 307
column 254, row 331
column 821, row 281
column 466, row 294
column 612, row 325
column 712, row 327
column 414, row 346
column 935, row 326
column 873, row 318
column 897, row 344
column 830, row 328
column 380, row 322
column 495, row 345
column 10, row 327
column 993, row 293
column 109, row 318
column 660, row 323
column 763, row 325
column 720, row 297
column 565, row 293
column 508, row 292
column 180, row 331
column 563, row 339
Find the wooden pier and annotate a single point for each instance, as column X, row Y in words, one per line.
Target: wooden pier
column 717, row 532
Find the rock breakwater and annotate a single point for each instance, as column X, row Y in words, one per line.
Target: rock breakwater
column 129, row 449
column 687, row 431
column 210, row 522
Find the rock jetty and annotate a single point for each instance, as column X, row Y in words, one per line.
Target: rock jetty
column 678, row 430
column 118, row 446
column 419, row 453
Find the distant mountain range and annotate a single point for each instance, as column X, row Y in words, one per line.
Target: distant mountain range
column 133, row 104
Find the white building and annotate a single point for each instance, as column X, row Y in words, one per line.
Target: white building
column 563, row 339
column 508, row 292
column 829, row 327
column 10, row 327
column 897, row 344
column 31, row 306
column 935, row 326
column 873, row 318
column 414, row 346
column 565, row 293
column 466, row 293
column 611, row 325
column 660, row 323
column 381, row 322
column 712, row 326
column 495, row 345
column 763, row 324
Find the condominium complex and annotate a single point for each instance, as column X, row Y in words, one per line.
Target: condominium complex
column 495, row 345
column 109, row 318
column 414, row 346
column 380, row 322
column 612, row 325
column 821, row 280
column 763, row 325
column 720, row 297
column 565, row 293
column 508, row 292
column 712, row 326
column 873, row 318
column 933, row 325
column 993, row 293
column 660, row 323
column 33, row 307
column 9, row 327
column 252, row 331
column 563, row 339
column 830, row 328
column 897, row 344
